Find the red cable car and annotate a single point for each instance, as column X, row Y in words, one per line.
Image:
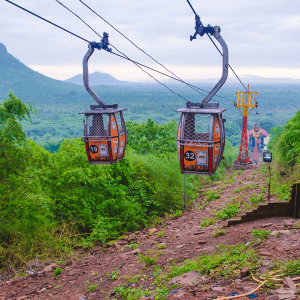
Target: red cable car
column 201, row 131
column 105, row 134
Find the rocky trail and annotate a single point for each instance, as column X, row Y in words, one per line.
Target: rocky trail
column 139, row 260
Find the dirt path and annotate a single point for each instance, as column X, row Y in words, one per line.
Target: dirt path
column 172, row 241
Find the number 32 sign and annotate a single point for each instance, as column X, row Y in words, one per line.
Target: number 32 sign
column 189, row 155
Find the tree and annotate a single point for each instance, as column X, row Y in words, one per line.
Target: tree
column 12, row 111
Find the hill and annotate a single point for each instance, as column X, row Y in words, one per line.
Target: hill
column 16, row 76
column 96, row 78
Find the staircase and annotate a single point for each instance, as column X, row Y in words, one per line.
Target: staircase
column 272, row 209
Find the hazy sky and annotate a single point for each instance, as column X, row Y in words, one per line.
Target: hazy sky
column 262, row 36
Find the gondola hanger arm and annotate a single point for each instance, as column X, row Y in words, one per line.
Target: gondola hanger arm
column 103, row 45
column 215, row 31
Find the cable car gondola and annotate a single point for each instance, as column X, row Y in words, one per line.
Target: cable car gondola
column 105, row 134
column 201, row 131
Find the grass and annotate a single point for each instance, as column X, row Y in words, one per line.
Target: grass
column 58, row 286
column 228, row 212
column 161, row 233
column 245, row 187
column 211, row 195
column 132, row 246
column 161, row 246
column 149, row 261
column 57, row 271
column 224, row 263
column 256, row 199
column 219, row 232
column 91, row 287
column 262, row 234
column 207, row 222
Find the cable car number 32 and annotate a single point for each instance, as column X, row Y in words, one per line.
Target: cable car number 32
column 94, row 149
column 189, row 155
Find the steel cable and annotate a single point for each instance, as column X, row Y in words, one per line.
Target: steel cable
column 216, row 46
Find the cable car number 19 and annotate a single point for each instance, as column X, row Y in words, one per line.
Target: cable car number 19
column 189, row 155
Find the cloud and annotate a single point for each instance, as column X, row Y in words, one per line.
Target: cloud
column 259, row 34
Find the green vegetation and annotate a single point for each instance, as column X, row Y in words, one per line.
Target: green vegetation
column 132, row 246
column 256, row 199
column 219, row 232
column 229, row 211
column 211, row 195
column 161, row 233
column 53, row 202
column 262, row 234
column 285, row 147
column 161, row 246
column 225, row 262
column 149, row 261
column 91, row 287
column 57, row 271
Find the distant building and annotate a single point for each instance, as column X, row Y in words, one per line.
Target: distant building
column 263, row 140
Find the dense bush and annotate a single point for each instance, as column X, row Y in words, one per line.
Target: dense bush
column 285, row 141
column 285, row 147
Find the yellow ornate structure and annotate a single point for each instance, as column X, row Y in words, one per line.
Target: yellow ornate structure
column 246, row 103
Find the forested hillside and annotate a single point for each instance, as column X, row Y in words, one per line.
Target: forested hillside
column 55, row 206
column 47, row 198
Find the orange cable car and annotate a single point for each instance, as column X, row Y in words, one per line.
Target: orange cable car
column 105, row 134
column 200, row 138
column 201, row 131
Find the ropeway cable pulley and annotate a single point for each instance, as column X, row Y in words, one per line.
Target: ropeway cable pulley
column 201, row 131
column 105, row 134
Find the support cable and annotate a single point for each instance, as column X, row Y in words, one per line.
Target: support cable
column 136, row 63
column 165, row 74
column 129, row 40
column 46, row 20
column 139, row 48
column 124, row 55
column 178, row 79
column 216, row 47
column 84, row 39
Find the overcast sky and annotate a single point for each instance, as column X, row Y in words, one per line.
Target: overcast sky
column 262, row 36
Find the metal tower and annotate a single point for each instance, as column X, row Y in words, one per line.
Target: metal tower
column 244, row 104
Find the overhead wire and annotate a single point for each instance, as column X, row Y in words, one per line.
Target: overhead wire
column 36, row 15
column 216, row 46
column 177, row 78
column 130, row 40
column 124, row 55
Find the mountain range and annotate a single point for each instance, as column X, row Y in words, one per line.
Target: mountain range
column 38, row 88
column 96, row 78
